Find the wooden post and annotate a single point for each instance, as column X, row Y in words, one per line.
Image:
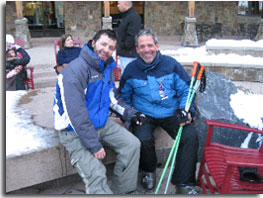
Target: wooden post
column 19, row 9
column 191, row 6
column 106, row 8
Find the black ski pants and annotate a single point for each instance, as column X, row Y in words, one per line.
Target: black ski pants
column 186, row 159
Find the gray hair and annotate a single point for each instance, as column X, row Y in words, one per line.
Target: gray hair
column 146, row 32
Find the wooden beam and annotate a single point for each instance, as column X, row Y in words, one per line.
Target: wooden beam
column 191, row 6
column 106, row 8
column 19, row 9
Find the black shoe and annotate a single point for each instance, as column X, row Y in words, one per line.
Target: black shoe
column 148, row 180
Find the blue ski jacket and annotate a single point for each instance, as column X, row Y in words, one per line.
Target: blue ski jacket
column 85, row 93
column 158, row 89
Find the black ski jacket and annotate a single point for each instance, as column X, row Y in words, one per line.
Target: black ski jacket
column 129, row 27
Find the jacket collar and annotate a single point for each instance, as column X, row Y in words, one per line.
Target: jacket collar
column 123, row 14
column 143, row 66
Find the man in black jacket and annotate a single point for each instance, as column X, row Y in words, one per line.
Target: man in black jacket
column 129, row 27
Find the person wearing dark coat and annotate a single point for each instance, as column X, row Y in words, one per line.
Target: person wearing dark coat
column 67, row 53
column 23, row 61
column 129, row 27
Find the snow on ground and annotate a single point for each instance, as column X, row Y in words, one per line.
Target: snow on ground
column 22, row 136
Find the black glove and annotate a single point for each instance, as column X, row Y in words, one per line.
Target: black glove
column 181, row 116
column 138, row 118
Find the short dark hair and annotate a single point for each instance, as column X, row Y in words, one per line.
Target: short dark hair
column 63, row 38
column 9, row 49
column 110, row 33
column 146, row 32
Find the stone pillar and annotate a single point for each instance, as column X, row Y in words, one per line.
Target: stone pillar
column 189, row 36
column 259, row 35
column 22, row 32
column 107, row 22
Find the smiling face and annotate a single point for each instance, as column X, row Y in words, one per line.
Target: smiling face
column 104, row 47
column 147, row 49
column 69, row 42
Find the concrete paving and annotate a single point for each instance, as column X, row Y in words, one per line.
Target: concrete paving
column 43, row 60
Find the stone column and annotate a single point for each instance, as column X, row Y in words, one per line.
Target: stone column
column 259, row 35
column 22, row 32
column 107, row 22
column 189, row 38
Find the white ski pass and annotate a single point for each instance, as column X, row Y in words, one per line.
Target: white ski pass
column 162, row 92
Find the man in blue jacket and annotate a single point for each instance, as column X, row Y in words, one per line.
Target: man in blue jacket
column 157, row 86
column 85, row 93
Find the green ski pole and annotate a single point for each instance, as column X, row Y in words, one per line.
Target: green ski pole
column 178, row 137
column 173, row 147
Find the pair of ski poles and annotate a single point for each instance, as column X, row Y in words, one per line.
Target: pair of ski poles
column 192, row 90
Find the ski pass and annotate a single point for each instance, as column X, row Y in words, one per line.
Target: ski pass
column 162, row 92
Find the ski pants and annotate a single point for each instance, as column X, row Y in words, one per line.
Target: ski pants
column 92, row 170
column 186, row 159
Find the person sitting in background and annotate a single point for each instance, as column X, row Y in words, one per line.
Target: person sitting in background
column 12, row 70
column 21, row 77
column 67, row 53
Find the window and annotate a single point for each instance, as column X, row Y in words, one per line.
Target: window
column 250, row 8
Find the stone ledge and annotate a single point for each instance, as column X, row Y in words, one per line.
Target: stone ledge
column 232, row 72
column 53, row 163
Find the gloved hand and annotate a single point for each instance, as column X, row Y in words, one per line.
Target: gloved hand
column 181, row 116
column 138, row 118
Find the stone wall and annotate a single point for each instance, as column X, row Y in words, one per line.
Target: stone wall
column 166, row 18
column 10, row 17
column 235, row 72
column 82, row 18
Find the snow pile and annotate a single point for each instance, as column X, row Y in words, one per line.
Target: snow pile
column 249, row 108
column 235, row 44
column 22, row 136
column 188, row 55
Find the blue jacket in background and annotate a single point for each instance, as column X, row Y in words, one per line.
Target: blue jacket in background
column 67, row 54
column 140, row 84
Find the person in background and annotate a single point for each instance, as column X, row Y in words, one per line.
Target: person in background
column 67, row 53
column 129, row 27
column 21, row 77
column 11, row 70
column 85, row 93
column 157, row 86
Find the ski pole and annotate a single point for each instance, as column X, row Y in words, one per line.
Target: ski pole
column 192, row 79
column 178, row 137
column 173, row 147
